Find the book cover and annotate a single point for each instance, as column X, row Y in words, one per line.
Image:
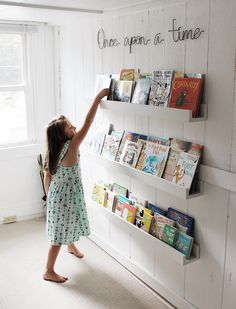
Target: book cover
column 131, row 136
column 186, row 146
column 141, row 91
column 118, row 189
column 121, row 200
column 128, row 213
column 169, row 234
column 122, row 90
column 158, row 224
column 160, row 87
column 130, row 153
column 185, row 169
column 171, row 164
column 102, row 81
column 153, row 158
column 183, row 243
column 159, row 140
column 127, row 74
column 111, row 145
column 111, row 200
column 184, row 222
column 186, row 94
column 98, row 138
column 157, row 209
column 99, row 194
column 144, row 220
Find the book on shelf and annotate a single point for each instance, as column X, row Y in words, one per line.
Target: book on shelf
column 186, row 93
column 99, row 194
column 118, row 189
column 111, row 200
column 158, row 223
column 130, row 153
column 155, row 208
column 186, row 146
column 121, row 200
column 127, row 74
column 159, row 140
column 183, row 243
column 185, row 170
column 137, row 201
column 128, row 212
column 98, row 138
column 122, row 90
column 143, row 219
column 183, row 222
column 171, row 163
column 111, row 145
column 130, row 136
column 102, row 81
column 141, row 91
column 169, row 234
column 160, row 87
column 153, row 158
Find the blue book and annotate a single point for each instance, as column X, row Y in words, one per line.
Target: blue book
column 157, row 209
column 184, row 223
column 183, row 243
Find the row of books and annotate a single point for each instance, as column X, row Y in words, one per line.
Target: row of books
column 165, row 88
column 173, row 159
column 172, row 226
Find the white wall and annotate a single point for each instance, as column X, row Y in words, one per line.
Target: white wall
column 210, row 282
column 21, row 190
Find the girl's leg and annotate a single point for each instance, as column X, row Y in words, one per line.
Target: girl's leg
column 49, row 273
column 71, row 248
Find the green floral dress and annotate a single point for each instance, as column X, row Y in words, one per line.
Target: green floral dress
column 67, row 218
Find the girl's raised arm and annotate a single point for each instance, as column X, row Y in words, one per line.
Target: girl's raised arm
column 80, row 135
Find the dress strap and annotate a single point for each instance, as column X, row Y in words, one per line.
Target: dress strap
column 64, row 150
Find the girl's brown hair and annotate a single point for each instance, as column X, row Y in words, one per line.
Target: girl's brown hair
column 56, row 138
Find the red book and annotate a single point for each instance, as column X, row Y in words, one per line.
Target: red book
column 186, row 94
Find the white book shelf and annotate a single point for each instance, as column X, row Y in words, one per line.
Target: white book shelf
column 173, row 114
column 154, row 242
column 149, row 179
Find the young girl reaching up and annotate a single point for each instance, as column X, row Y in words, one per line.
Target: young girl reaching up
column 66, row 211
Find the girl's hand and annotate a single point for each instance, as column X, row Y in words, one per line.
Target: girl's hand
column 103, row 93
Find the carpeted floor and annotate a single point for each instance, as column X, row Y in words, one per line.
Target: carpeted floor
column 96, row 281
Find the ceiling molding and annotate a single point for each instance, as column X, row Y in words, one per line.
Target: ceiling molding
column 49, row 7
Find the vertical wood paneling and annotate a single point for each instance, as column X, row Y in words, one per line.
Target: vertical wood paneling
column 129, row 30
column 233, row 150
column 118, row 51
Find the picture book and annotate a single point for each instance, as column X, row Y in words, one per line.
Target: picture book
column 185, row 169
column 153, row 158
column 169, row 234
column 184, row 222
column 137, row 201
column 144, row 220
column 130, row 153
column 141, row 91
column 102, row 81
column 131, row 136
column 157, row 209
column 158, row 224
column 98, row 138
column 127, row 74
column 128, row 213
column 186, row 94
column 118, row 189
column 160, row 87
column 111, row 145
column 99, row 194
column 159, row 140
column 105, row 184
column 122, row 90
column 171, row 164
column 183, row 243
column 121, row 200
column 111, row 200
column 186, row 146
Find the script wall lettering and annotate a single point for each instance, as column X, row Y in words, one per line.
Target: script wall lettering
column 177, row 34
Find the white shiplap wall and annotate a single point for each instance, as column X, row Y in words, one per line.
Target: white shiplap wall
column 208, row 283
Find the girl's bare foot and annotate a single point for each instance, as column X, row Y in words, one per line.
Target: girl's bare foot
column 52, row 276
column 73, row 250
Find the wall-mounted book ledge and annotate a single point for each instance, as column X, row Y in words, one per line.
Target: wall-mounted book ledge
column 173, row 114
column 149, row 179
column 171, row 252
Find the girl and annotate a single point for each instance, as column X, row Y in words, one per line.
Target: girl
column 66, row 212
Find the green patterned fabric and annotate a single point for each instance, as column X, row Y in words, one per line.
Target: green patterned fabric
column 67, row 218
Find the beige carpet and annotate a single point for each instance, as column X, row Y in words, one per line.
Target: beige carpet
column 97, row 281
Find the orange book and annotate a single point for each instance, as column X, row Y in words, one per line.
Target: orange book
column 186, row 94
column 127, row 74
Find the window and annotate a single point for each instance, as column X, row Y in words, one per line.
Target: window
column 14, row 109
